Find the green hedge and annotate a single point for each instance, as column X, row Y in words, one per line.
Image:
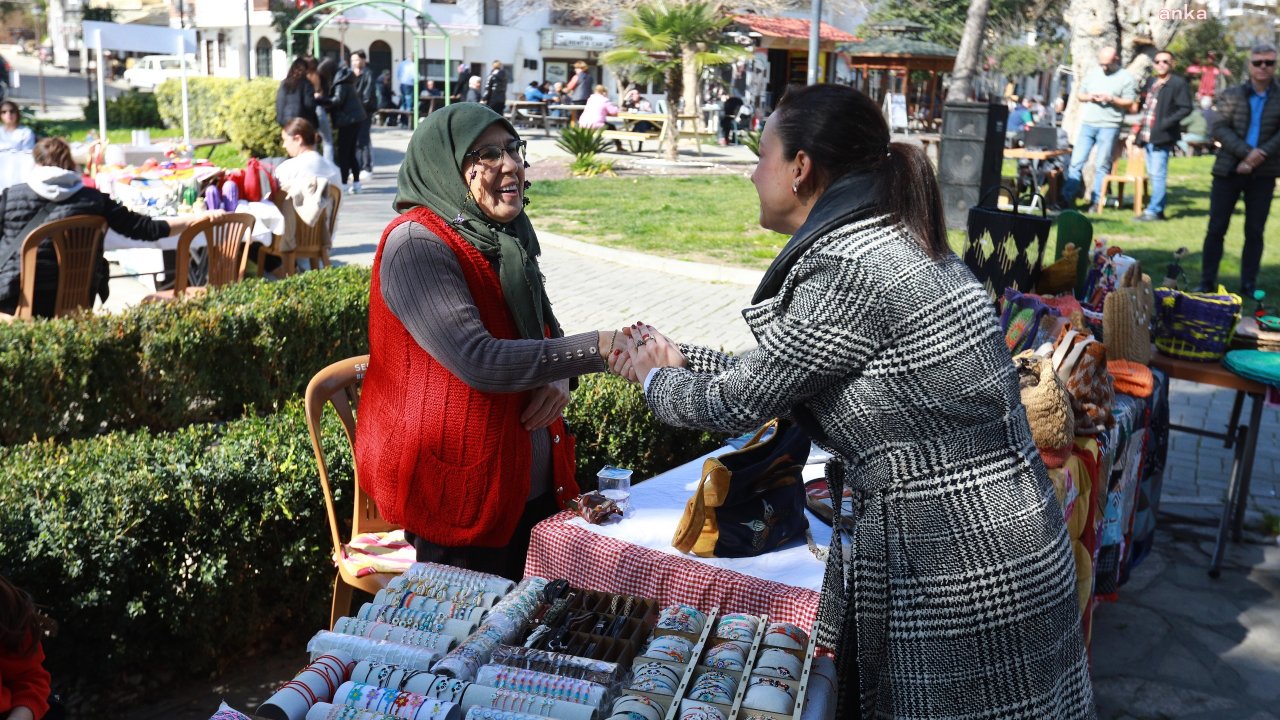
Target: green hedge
column 167, row 557
column 132, row 109
column 165, row 366
column 251, row 121
column 208, row 100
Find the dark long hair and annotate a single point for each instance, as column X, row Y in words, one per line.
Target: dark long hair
column 327, row 68
column 842, row 131
column 297, row 73
column 21, row 624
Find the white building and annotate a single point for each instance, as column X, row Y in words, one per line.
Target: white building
column 1258, row 14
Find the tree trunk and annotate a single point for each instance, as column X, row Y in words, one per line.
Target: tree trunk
column 969, row 57
column 670, row 137
column 689, row 67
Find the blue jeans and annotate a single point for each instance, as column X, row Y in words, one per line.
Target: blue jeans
column 1090, row 135
column 1158, row 171
column 406, row 97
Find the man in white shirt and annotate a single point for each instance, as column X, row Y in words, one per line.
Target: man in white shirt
column 406, row 73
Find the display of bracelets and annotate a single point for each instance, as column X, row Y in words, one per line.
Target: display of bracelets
column 769, row 694
column 532, row 682
column 415, row 658
column 682, row 618
column 492, row 583
column 393, row 633
column 393, row 702
column 487, row 713
column 655, row 677
column 737, row 626
column 728, row 655
column 695, row 711
column 392, row 676
column 714, row 686
column 329, row 711
column 637, row 707
column 670, row 647
column 596, row 671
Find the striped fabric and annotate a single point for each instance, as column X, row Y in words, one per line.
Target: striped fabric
column 959, row 591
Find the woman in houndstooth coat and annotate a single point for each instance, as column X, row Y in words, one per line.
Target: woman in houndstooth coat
column 954, row 594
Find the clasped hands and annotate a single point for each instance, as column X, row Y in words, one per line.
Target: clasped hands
column 639, row 348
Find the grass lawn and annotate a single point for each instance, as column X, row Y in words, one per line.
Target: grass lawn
column 226, row 155
column 714, row 219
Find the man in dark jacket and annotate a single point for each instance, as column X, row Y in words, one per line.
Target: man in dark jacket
column 461, row 84
column 495, row 88
column 1167, row 102
column 366, row 88
column 1248, row 128
column 347, row 110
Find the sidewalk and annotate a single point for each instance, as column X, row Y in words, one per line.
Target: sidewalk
column 1176, row 645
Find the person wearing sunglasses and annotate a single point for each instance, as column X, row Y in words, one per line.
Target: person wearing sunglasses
column 1107, row 93
column 14, row 137
column 1166, row 102
column 461, row 439
column 1248, row 130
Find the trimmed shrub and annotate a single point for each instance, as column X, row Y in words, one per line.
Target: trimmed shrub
column 208, row 101
column 614, row 426
column 132, row 109
column 246, row 346
column 167, row 557
column 251, row 121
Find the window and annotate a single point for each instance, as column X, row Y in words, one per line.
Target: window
column 222, row 50
column 262, row 57
column 492, row 12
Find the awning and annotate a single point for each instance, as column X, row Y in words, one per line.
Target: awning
column 792, row 28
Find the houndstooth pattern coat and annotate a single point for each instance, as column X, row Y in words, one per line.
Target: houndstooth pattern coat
column 956, row 595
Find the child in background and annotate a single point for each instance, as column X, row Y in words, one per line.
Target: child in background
column 24, row 683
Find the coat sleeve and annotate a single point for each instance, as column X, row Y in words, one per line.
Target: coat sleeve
column 1179, row 108
column 280, row 118
column 827, row 331
column 1223, row 132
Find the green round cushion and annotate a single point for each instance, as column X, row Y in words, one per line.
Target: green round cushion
column 1258, row 365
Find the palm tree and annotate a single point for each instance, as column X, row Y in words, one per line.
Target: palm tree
column 673, row 42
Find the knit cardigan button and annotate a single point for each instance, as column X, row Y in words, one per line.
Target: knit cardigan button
column 555, row 439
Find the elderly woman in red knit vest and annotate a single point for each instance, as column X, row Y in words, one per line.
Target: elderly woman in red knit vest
column 460, row 438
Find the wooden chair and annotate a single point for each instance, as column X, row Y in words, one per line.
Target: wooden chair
column 227, row 239
column 339, row 384
column 1135, row 173
column 313, row 241
column 77, row 242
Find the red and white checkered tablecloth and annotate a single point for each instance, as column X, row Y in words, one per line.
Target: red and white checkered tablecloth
column 560, row 550
column 635, row 557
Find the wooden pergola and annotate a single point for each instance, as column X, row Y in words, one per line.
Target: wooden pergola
column 895, row 53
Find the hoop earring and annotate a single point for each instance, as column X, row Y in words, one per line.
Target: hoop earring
column 795, row 188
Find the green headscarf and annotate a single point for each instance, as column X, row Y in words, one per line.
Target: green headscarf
column 431, row 177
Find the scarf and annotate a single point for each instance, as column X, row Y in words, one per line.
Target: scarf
column 854, row 196
column 431, row 177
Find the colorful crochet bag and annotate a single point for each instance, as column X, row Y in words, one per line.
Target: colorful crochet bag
column 1196, row 326
column 1081, row 364
column 1021, row 319
column 1053, row 425
column 1005, row 249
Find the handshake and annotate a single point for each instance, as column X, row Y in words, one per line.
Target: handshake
column 636, row 349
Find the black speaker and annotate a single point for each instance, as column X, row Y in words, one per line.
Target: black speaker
column 970, row 156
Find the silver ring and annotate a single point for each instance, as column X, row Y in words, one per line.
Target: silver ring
column 640, row 342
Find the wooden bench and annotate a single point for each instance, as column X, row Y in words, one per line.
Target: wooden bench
column 403, row 117
column 630, row 136
column 1202, row 147
column 211, row 143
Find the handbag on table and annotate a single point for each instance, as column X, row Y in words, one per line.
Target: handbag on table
column 749, row 501
column 1196, row 326
column 1126, row 318
column 1005, row 249
column 1081, row 364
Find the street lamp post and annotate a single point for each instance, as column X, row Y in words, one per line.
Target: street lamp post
column 342, row 23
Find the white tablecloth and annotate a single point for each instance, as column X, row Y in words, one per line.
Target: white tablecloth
column 658, row 504
column 137, row 257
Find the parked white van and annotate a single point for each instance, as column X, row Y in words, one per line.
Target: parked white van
column 151, row 70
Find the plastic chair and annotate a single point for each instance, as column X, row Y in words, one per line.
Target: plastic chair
column 1135, row 173
column 339, row 384
column 77, row 242
column 312, row 241
column 227, row 240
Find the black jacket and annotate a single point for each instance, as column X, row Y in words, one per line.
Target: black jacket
column 345, row 106
column 1173, row 103
column 299, row 102
column 495, row 89
column 1232, row 127
column 366, row 87
column 19, row 204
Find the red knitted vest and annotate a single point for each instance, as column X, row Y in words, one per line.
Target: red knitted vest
column 445, row 461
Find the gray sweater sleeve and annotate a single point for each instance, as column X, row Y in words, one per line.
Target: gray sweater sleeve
column 423, row 285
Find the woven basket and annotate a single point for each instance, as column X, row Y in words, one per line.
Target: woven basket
column 1196, row 326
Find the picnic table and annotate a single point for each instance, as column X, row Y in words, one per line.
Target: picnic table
column 573, row 110
column 687, row 128
column 1038, row 158
column 532, row 111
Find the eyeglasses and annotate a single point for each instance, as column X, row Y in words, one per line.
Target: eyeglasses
column 491, row 155
column 1264, row 63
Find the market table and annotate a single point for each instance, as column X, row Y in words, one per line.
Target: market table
column 1244, row 438
column 635, row 556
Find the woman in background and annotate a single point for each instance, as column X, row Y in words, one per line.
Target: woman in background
column 14, row 137
column 295, row 98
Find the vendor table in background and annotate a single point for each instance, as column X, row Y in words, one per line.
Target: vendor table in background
column 1244, row 438
column 635, row 556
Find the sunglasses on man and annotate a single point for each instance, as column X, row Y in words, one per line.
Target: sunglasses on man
column 1264, row 63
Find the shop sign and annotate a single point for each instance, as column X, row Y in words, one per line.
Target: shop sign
column 577, row 40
